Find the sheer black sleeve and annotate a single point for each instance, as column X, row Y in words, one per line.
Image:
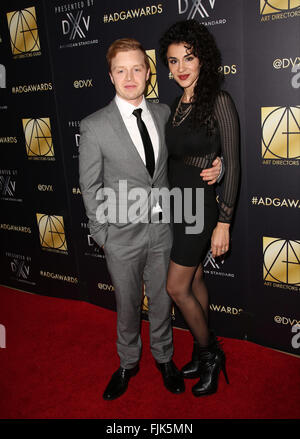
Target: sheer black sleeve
column 227, row 118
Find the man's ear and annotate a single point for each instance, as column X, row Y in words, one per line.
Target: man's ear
column 148, row 74
column 111, row 78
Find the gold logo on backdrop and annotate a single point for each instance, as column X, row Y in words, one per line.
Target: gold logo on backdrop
column 152, row 88
column 38, row 137
column 52, row 231
column 145, row 303
column 23, row 30
column 275, row 6
column 281, row 260
column 145, row 306
column 280, row 132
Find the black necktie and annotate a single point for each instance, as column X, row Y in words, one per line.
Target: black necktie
column 149, row 153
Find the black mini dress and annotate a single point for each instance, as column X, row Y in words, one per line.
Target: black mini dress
column 189, row 153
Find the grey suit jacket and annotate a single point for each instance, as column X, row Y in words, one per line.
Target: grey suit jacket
column 108, row 155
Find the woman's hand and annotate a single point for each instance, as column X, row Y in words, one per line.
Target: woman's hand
column 211, row 175
column 220, row 239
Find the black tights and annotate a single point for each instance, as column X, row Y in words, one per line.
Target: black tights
column 186, row 287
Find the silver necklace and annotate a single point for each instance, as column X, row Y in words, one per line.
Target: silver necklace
column 180, row 114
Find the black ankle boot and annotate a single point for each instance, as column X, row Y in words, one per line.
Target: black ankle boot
column 212, row 361
column 192, row 369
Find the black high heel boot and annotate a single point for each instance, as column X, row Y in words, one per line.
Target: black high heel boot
column 212, row 361
column 192, row 369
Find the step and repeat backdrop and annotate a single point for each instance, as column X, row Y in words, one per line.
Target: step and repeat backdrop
column 53, row 73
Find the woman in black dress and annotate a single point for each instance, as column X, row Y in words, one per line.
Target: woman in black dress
column 203, row 124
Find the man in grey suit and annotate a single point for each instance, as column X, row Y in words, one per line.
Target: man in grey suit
column 122, row 147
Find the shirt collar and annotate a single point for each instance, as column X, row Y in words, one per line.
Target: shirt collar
column 126, row 108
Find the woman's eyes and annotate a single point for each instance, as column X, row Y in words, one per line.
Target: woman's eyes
column 174, row 61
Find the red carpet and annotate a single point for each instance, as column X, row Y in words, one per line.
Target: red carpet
column 60, row 355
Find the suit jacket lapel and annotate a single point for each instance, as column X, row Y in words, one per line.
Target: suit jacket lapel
column 157, row 126
column 117, row 122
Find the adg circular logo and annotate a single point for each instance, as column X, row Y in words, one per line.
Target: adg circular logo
column 23, row 30
column 38, row 137
column 280, row 132
column 274, row 6
column 52, row 231
column 152, row 88
column 281, row 261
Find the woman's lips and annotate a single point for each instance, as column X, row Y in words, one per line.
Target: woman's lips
column 183, row 77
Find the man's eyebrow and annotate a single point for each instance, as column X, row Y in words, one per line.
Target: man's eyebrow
column 122, row 67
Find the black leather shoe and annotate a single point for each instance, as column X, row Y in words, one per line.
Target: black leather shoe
column 119, row 382
column 212, row 360
column 172, row 378
column 192, row 369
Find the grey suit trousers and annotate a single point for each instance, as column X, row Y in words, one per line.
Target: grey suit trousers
column 129, row 266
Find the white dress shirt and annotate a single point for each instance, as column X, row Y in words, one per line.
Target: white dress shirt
column 130, row 121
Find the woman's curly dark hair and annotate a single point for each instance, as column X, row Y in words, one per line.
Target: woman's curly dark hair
column 202, row 44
